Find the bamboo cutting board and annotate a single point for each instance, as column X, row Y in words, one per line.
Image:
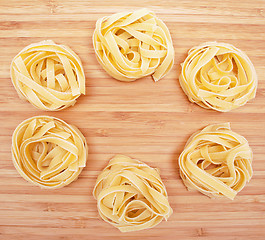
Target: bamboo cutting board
column 145, row 120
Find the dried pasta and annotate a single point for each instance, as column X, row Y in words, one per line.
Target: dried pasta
column 49, row 76
column 218, row 76
column 216, row 161
column 131, row 195
column 131, row 45
column 48, row 152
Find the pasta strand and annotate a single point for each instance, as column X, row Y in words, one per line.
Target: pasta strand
column 131, row 195
column 218, row 76
column 132, row 45
column 48, row 152
column 49, row 76
column 216, row 161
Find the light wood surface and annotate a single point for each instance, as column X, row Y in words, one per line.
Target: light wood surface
column 145, row 120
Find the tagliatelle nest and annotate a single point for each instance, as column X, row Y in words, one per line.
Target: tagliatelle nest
column 49, row 76
column 218, row 76
column 48, row 152
column 131, row 45
column 131, row 195
column 216, row 161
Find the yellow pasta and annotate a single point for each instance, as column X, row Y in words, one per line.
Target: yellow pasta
column 131, row 45
column 131, row 195
column 218, row 76
column 216, row 161
column 48, row 152
column 49, row 76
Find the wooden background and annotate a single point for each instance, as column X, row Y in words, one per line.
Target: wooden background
column 145, row 120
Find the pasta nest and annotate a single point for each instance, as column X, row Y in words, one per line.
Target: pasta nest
column 131, row 195
column 216, row 161
column 218, row 76
column 48, row 152
column 131, row 45
column 49, row 76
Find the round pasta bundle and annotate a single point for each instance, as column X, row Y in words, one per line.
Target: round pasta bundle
column 131, row 45
column 131, row 195
column 216, row 161
column 218, row 76
column 48, row 152
column 49, row 76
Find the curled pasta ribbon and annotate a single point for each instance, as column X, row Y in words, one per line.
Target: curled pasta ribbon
column 49, row 76
column 131, row 45
column 131, row 195
column 216, row 161
column 48, row 152
column 218, row 76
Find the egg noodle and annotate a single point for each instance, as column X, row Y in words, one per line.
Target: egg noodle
column 216, row 161
column 131, row 195
column 48, row 152
column 218, row 76
column 131, row 45
column 49, row 76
